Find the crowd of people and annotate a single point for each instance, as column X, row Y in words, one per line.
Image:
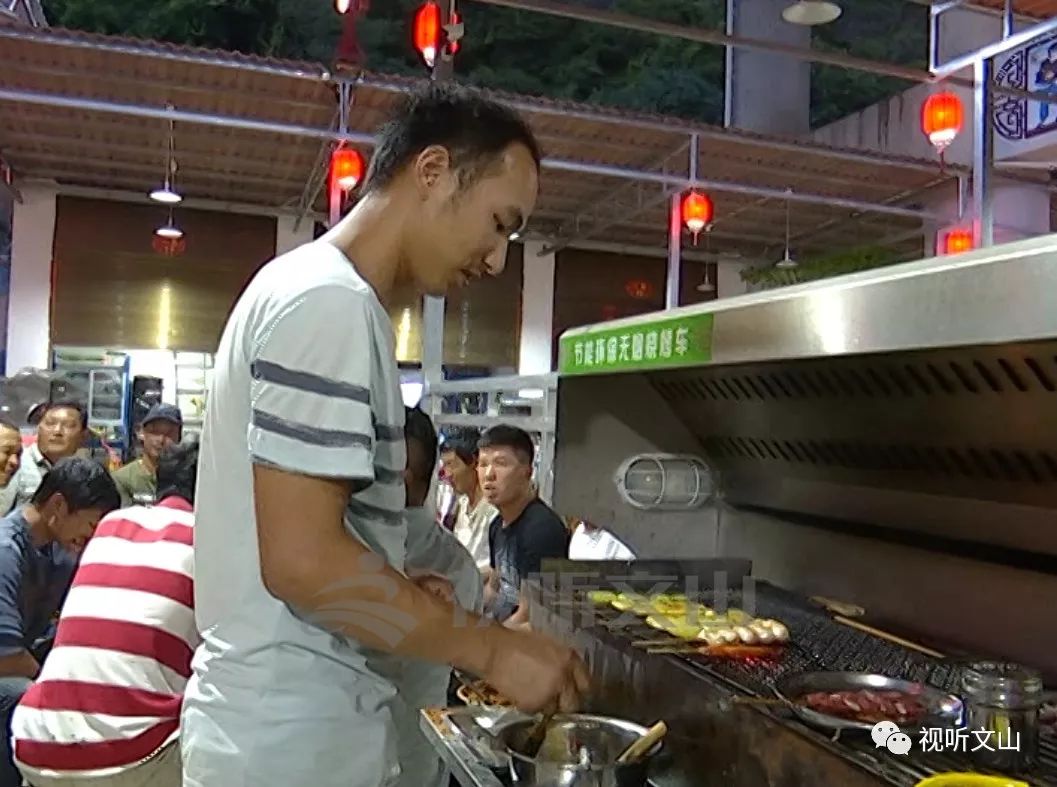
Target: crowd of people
column 274, row 602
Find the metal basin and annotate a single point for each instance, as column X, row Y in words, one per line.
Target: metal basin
column 580, row 750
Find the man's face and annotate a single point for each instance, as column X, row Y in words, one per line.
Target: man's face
column 462, row 233
column 10, row 453
column 60, row 433
column 505, row 476
column 463, row 476
column 72, row 530
column 157, row 436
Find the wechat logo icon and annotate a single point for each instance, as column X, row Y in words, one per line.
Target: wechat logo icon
column 886, row 734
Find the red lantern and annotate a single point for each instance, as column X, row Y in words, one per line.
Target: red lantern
column 168, row 247
column 638, row 288
column 346, row 167
column 453, row 46
column 942, row 117
column 957, row 240
column 697, row 211
column 427, row 31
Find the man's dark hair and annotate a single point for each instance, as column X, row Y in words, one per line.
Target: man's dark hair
column 178, row 471
column 83, row 483
column 502, row 436
column 463, row 446
column 66, row 404
column 419, row 427
column 474, row 129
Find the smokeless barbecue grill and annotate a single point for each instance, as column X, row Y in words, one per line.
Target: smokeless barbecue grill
column 887, row 438
column 817, row 642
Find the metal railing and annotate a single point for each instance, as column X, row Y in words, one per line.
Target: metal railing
column 528, row 402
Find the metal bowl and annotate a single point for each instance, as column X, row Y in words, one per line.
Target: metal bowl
column 580, row 750
column 941, row 710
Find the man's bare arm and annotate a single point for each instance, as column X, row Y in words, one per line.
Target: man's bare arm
column 520, row 618
column 21, row 665
column 310, row 562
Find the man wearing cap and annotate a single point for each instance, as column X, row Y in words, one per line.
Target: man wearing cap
column 137, row 481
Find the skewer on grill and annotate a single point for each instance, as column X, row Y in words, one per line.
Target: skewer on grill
column 721, row 651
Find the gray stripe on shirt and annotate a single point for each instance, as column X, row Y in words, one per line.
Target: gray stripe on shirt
column 388, row 432
column 270, row 372
column 311, row 435
column 386, row 476
column 359, row 511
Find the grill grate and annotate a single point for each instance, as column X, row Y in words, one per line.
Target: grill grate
column 976, row 376
column 1038, row 467
column 819, row 643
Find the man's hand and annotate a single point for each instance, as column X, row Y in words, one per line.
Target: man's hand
column 436, row 585
column 535, row 672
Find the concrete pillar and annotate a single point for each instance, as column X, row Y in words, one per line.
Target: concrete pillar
column 7, row 209
column 537, row 310
column 29, row 294
column 728, row 279
column 963, row 30
column 767, row 93
column 1020, row 212
column 287, row 238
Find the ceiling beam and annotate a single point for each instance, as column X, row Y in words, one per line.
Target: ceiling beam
column 565, row 165
column 138, row 197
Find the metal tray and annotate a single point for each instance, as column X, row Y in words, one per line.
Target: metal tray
column 942, row 710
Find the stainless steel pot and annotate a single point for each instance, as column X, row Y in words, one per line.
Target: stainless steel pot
column 580, row 750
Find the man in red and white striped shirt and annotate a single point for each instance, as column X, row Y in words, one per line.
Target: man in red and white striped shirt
column 105, row 709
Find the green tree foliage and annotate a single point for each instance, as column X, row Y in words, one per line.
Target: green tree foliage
column 821, row 267
column 529, row 53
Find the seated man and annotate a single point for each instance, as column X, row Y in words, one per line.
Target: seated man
column 473, row 513
column 61, row 433
column 435, row 554
column 10, row 460
column 525, row 532
column 122, row 652
column 137, row 481
column 38, row 544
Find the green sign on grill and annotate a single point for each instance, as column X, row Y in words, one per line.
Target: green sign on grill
column 660, row 344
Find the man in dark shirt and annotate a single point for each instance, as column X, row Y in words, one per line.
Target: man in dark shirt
column 39, row 542
column 526, row 530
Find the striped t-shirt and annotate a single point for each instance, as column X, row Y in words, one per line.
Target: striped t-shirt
column 109, row 693
column 304, row 380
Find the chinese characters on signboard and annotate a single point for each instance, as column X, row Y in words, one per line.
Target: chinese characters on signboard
column 679, row 341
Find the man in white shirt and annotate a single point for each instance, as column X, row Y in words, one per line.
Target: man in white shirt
column 300, row 531
column 590, row 542
column 473, row 512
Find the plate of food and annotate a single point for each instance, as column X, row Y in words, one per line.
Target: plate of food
column 859, row 700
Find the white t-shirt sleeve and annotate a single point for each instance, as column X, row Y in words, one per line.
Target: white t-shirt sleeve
column 311, row 393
